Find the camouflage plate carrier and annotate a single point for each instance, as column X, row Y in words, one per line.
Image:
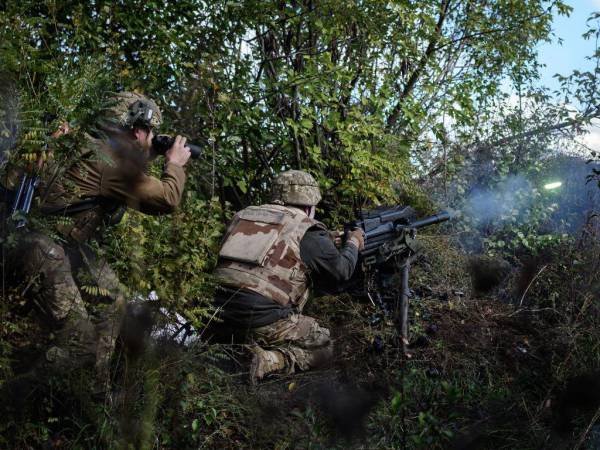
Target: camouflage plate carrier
column 261, row 253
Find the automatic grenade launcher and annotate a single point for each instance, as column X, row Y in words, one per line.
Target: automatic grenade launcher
column 390, row 239
column 390, row 231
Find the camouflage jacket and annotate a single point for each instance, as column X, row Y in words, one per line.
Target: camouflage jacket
column 109, row 175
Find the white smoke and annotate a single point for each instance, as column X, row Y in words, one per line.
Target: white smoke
column 500, row 203
column 518, row 200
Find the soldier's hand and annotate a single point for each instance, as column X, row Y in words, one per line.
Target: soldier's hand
column 178, row 154
column 63, row 128
column 356, row 237
column 336, row 237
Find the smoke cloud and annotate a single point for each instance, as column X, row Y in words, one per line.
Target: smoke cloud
column 497, row 204
column 513, row 199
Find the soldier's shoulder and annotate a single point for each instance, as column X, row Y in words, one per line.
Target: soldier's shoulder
column 317, row 231
column 320, row 226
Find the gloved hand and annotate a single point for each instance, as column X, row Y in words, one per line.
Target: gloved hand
column 357, row 237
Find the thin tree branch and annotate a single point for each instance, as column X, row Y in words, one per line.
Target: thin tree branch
column 416, row 74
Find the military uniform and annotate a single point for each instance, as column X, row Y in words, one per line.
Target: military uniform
column 78, row 291
column 267, row 259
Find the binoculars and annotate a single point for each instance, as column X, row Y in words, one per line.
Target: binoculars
column 163, row 142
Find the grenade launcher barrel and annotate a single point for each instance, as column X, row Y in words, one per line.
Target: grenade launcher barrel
column 383, row 225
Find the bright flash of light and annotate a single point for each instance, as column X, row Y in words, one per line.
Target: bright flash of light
column 554, row 185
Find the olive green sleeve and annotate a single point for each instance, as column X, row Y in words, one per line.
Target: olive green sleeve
column 145, row 193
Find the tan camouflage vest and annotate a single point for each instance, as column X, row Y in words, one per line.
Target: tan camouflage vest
column 261, row 253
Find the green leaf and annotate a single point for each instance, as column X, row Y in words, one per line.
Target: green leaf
column 241, row 184
column 306, row 123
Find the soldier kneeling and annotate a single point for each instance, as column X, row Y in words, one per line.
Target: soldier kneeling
column 268, row 257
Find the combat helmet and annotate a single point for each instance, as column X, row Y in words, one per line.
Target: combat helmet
column 129, row 109
column 296, row 187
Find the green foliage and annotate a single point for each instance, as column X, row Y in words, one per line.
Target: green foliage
column 74, row 92
column 348, row 91
column 171, row 255
column 180, row 400
column 377, row 99
column 425, row 429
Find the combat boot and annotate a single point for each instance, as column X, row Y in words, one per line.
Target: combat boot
column 264, row 362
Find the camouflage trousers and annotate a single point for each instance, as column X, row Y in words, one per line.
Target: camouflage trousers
column 303, row 342
column 78, row 293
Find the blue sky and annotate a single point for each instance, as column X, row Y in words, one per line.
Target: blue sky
column 571, row 54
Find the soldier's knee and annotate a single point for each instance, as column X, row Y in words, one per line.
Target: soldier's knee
column 75, row 343
column 305, row 359
column 43, row 254
column 77, row 328
column 312, row 334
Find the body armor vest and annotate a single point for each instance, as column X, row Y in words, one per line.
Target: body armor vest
column 261, row 253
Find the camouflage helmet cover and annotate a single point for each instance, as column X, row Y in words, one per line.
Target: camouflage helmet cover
column 130, row 109
column 296, row 187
